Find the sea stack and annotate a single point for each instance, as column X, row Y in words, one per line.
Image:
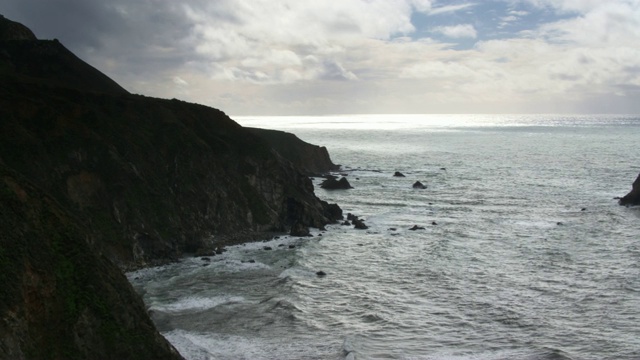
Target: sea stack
column 633, row 197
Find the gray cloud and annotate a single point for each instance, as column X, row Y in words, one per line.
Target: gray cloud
column 295, row 56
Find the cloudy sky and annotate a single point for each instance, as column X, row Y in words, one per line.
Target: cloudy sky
column 285, row 57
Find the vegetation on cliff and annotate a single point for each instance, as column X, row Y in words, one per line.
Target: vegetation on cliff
column 93, row 176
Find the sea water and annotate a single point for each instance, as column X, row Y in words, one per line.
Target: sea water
column 524, row 254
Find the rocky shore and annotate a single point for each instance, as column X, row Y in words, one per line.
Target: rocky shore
column 95, row 181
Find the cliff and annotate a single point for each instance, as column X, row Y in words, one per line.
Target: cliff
column 633, row 197
column 152, row 178
column 59, row 299
column 97, row 179
column 309, row 158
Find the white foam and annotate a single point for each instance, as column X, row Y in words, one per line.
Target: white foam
column 194, row 346
column 296, row 272
column 194, row 303
column 239, row 265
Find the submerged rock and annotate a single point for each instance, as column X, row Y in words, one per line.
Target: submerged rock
column 398, row 174
column 321, row 273
column 416, row 227
column 419, row 185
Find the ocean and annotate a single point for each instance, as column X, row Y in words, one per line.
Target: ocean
column 524, row 252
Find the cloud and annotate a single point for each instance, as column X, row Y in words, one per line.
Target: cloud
column 180, row 82
column 302, row 56
column 457, row 31
column 450, row 8
column 580, row 6
column 609, row 24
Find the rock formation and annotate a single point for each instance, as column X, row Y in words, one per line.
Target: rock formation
column 633, row 197
column 332, row 184
column 94, row 176
column 419, row 185
column 11, row 30
column 310, row 159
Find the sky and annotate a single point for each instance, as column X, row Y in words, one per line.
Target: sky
column 304, row 57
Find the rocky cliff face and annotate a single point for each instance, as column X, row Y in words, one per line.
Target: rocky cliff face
column 153, row 178
column 311, row 159
column 59, row 299
column 633, row 197
column 94, row 176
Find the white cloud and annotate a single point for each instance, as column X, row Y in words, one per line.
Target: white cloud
column 519, row 13
column 303, row 56
column 564, row 64
column 450, row 8
column 609, row 25
column 581, row 6
column 180, row 82
column 457, row 31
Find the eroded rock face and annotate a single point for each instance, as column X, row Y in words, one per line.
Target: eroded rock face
column 633, row 197
column 185, row 175
column 310, row 159
column 60, row 300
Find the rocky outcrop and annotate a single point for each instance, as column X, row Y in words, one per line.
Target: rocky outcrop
column 419, row 185
column 310, row 159
column 11, row 30
column 59, row 298
column 332, row 183
column 299, row 230
column 633, row 197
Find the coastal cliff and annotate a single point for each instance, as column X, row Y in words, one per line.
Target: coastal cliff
column 125, row 181
column 633, row 197
column 311, row 159
column 59, row 299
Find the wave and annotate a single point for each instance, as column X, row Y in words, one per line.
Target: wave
column 195, row 304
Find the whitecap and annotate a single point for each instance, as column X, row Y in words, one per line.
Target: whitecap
column 195, row 303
